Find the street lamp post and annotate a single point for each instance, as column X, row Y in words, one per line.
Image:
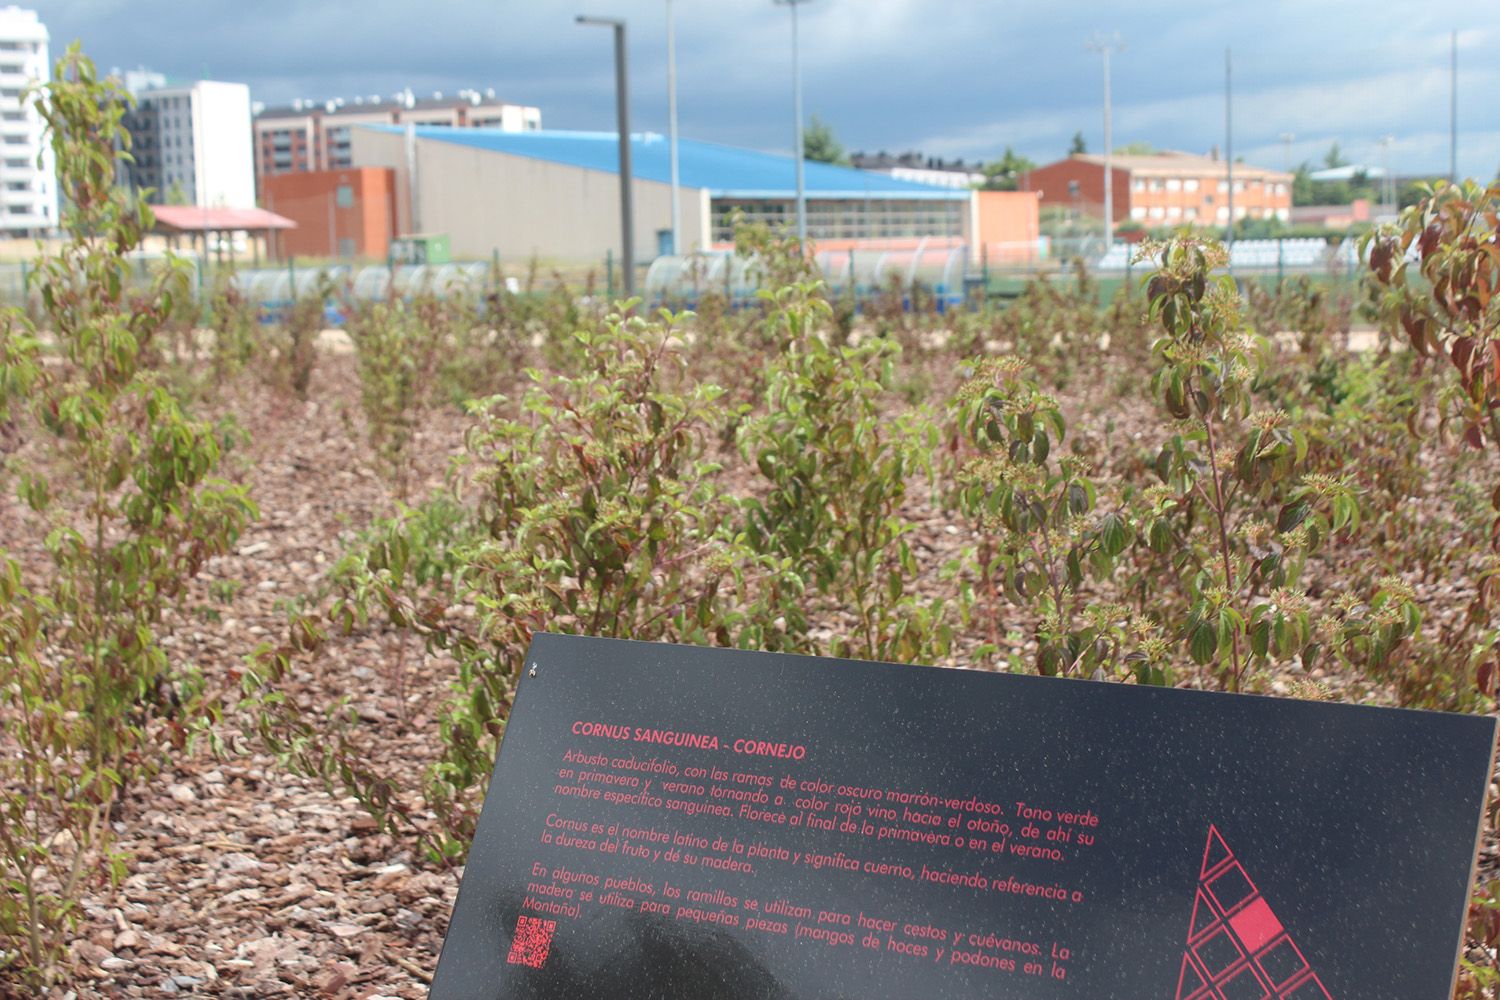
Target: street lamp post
column 1287, row 138
column 797, row 113
column 1387, row 182
column 672, row 124
column 622, row 116
column 1104, row 46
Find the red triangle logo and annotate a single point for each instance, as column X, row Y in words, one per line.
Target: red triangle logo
column 1203, row 916
column 1215, row 854
column 1189, row 982
column 1247, row 939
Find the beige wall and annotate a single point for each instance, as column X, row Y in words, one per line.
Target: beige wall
column 487, row 201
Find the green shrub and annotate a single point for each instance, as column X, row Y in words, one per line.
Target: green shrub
column 130, row 512
column 836, row 469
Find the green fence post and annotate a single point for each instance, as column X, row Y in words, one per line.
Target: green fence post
column 1280, row 262
column 984, row 273
column 609, row 274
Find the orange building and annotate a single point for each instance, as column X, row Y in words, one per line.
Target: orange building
column 347, row 214
column 1164, row 189
column 1008, row 225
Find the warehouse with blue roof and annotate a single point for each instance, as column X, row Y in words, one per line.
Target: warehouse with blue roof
column 555, row 195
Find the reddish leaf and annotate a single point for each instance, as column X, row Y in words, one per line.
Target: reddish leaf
column 1431, row 236
column 1462, row 353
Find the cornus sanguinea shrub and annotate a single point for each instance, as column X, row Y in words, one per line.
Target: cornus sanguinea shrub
column 126, row 502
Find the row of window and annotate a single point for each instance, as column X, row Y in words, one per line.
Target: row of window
column 1191, row 184
column 1175, row 213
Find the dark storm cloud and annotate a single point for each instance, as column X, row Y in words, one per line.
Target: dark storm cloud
column 952, row 78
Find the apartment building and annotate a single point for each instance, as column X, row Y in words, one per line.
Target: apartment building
column 305, row 136
column 28, row 191
column 1164, row 189
column 191, row 142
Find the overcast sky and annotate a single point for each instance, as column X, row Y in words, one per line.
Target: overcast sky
column 948, row 77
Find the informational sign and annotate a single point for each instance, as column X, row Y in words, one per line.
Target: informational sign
column 675, row 822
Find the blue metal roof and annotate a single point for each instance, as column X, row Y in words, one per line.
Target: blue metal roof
column 726, row 171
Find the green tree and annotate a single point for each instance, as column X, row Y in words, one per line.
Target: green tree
column 1077, row 146
column 1302, row 185
column 820, row 145
column 127, row 510
column 1136, row 149
column 1334, row 157
column 1005, row 173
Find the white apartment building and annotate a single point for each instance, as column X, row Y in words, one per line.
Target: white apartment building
column 28, row 191
column 193, row 141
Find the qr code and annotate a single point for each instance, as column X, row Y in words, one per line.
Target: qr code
column 532, row 942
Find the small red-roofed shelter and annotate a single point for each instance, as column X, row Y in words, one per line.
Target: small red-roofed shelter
column 176, row 221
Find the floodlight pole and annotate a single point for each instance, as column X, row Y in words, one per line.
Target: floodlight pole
column 797, row 113
column 1453, row 113
column 1229, row 147
column 622, row 117
column 1104, row 46
column 1287, row 138
column 1387, row 182
column 672, row 125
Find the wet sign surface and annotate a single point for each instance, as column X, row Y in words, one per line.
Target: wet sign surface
column 675, row 822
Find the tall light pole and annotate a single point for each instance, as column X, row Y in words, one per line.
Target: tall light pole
column 1453, row 113
column 1287, row 138
column 672, row 124
column 622, row 118
column 797, row 113
column 1104, row 46
column 1229, row 147
column 1387, row 182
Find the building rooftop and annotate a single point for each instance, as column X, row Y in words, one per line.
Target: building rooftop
column 376, row 104
column 1348, row 172
column 725, row 171
column 192, row 219
column 1177, row 164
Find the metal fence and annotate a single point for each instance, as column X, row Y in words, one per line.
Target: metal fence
column 945, row 271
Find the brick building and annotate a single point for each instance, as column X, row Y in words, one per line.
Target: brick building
column 349, row 214
column 305, row 136
column 1164, row 189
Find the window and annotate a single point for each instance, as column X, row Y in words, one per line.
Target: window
column 1138, row 212
column 1281, row 189
column 343, row 196
column 1222, row 214
column 1191, row 184
column 1191, row 213
column 1155, row 185
column 346, row 246
column 1174, row 184
column 1137, row 185
column 1157, row 212
column 1223, row 186
column 1173, row 211
column 1239, row 186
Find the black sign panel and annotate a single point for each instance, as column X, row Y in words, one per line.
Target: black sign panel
column 674, row 822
